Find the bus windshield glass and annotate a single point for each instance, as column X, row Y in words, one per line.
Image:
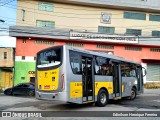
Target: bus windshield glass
column 49, row 58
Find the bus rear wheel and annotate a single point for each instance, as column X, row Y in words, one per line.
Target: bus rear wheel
column 102, row 98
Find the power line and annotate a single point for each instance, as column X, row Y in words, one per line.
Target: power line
column 90, row 27
column 28, row 23
column 61, row 34
column 61, row 12
column 7, row 3
column 75, row 17
column 91, row 30
column 83, row 29
column 54, row 11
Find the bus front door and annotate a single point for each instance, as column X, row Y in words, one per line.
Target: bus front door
column 116, row 79
column 139, row 80
column 87, row 79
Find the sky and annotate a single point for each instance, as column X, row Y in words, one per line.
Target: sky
column 8, row 16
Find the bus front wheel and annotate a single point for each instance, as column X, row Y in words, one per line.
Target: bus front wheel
column 133, row 94
column 102, row 98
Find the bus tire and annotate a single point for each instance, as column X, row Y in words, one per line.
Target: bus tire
column 133, row 94
column 102, row 98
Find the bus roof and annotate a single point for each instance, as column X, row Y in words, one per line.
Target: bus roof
column 101, row 54
column 97, row 53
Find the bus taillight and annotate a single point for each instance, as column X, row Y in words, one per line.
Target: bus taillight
column 62, row 80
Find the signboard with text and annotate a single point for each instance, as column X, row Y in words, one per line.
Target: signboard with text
column 103, row 37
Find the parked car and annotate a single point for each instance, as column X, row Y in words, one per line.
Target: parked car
column 21, row 89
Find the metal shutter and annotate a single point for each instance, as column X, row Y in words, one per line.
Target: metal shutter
column 153, row 72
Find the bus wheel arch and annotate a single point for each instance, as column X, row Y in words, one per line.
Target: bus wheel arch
column 133, row 93
column 102, row 97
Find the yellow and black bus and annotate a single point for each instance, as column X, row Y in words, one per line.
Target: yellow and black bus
column 79, row 76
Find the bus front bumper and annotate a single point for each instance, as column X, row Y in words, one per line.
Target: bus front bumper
column 50, row 96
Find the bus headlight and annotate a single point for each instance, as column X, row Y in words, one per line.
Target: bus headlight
column 135, row 81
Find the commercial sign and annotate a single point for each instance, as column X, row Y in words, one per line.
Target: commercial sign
column 103, row 37
column 106, row 18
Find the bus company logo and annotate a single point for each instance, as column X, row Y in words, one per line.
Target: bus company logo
column 6, row 114
column 106, row 18
column 46, row 86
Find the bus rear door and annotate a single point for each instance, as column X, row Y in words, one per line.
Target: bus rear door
column 87, row 79
column 117, row 82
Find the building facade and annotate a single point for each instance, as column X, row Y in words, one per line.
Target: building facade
column 125, row 28
column 6, row 67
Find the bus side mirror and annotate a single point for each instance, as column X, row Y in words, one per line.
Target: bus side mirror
column 144, row 71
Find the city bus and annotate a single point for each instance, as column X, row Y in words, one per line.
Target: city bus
column 73, row 75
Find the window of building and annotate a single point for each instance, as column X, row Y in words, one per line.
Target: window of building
column 75, row 44
column 154, row 17
column 133, row 48
column 102, row 66
column 44, row 42
column 45, row 7
column 24, row 41
column 105, row 46
column 155, row 49
column 23, row 15
column 109, row 30
column 155, row 33
column 47, row 24
column 75, row 60
column 133, row 31
column 5, row 55
column 137, row 16
column 23, row 57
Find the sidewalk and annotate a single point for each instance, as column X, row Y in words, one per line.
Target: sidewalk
column 152, row 91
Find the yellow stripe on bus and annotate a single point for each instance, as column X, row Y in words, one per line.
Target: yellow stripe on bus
column 77, row 92
column 107, row 85
column 76, row 89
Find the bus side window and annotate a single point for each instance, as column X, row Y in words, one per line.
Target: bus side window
column 75, row 62
column 128, row 70
column 102, row 66
column 125, row 70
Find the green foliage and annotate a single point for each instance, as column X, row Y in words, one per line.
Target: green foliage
column 1, row 90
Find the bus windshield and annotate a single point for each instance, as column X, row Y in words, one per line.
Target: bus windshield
column 48, row 58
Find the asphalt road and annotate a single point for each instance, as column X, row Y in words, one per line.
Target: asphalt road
column 149, row 101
